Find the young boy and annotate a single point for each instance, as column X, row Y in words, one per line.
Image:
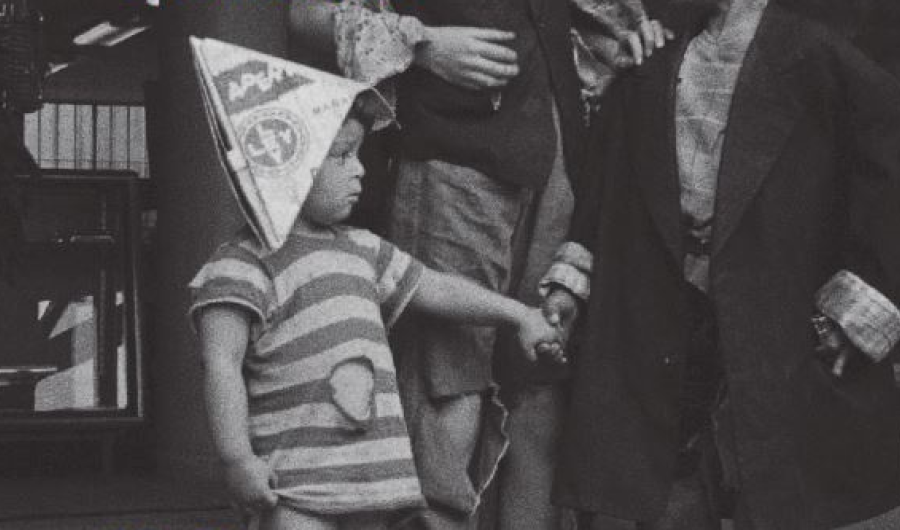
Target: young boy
column 299, row 381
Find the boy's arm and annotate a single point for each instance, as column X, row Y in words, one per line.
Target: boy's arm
column 465, row 302
column 224, row 333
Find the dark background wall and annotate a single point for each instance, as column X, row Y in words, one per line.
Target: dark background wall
column 196, row 213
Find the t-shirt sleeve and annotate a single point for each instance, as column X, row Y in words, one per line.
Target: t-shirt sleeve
column 233, row 275
column 398, row 275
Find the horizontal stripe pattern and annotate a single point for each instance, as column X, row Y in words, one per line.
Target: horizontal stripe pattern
column 347, row 454
column 292, row 396
column 323, row 300
column 317, row 415
column 319, row 315
column 328, row 436
column 327, row 475
column 341, row 497
column 316, row 366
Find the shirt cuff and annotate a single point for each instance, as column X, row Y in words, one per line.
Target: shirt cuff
column 571, row 269
column 868, row 319
column 575, row 255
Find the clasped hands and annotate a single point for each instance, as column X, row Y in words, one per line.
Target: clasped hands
column 545, row 333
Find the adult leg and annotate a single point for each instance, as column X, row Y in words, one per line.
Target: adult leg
column 526, row 473
column 459, row 221
column 533, row 393
column 688, row 508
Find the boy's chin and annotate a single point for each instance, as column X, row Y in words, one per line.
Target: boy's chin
column 329, row 219
column 699, row 4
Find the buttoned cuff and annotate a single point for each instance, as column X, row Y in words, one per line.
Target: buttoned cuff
column 571, row 269
column 868, row 319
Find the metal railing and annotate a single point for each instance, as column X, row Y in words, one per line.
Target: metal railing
column 65, row 135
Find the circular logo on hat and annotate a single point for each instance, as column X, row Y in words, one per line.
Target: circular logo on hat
column 273, row 141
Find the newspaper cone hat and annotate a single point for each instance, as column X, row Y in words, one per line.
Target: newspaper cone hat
column 274, row 122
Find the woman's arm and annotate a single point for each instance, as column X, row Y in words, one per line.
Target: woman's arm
column 371, row 46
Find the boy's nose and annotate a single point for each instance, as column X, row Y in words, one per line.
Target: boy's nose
column 356, row 169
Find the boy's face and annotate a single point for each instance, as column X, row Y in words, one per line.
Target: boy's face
column 338, row 184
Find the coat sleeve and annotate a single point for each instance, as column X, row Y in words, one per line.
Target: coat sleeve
column 575, row 260
column 863, row 299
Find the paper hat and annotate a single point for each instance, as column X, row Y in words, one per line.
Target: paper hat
column 274, row 122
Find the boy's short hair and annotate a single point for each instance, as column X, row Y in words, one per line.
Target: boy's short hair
column 369, row 109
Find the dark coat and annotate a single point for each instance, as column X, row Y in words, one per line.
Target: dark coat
column 809, row 184
column 515, row 143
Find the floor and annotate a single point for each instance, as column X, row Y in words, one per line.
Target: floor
column 142, row 503
column 113, row 503
column 200, row 520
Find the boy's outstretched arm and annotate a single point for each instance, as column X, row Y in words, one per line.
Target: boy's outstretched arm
column 463, row 301
column 224, row 331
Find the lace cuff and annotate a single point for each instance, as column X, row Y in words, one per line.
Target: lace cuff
column 373, row 46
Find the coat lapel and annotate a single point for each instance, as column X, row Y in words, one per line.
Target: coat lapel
column 763, row 114
column 652, row 142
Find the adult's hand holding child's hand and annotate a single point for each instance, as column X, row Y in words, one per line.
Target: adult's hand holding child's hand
column 536, row 334
column 560, row 308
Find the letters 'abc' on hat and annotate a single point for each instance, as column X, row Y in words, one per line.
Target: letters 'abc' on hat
column 274, row 122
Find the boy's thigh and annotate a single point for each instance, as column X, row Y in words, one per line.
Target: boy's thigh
column 365, row 521
column 285, row 518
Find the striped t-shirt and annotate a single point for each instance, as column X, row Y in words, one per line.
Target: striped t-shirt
column 324, row 410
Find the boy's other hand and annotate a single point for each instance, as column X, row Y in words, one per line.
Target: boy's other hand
column 472, row 58
column 249, row 482
column 535, row 330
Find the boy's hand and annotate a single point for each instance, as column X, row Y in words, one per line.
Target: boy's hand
column 535, row 330
column 249, row 482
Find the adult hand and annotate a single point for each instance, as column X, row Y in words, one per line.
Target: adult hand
column 537, row 336
column 640, row 43
column 560, row 308
column 472, row 58
column 836, row 350
column 249, row 482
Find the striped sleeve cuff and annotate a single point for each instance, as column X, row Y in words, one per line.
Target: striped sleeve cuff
column 867, row 317
column 571, row 269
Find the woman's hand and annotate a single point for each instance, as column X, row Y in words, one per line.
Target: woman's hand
column 640, row 43
column 472, row 58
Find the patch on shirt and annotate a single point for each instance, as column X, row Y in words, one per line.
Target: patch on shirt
column 352, row 384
